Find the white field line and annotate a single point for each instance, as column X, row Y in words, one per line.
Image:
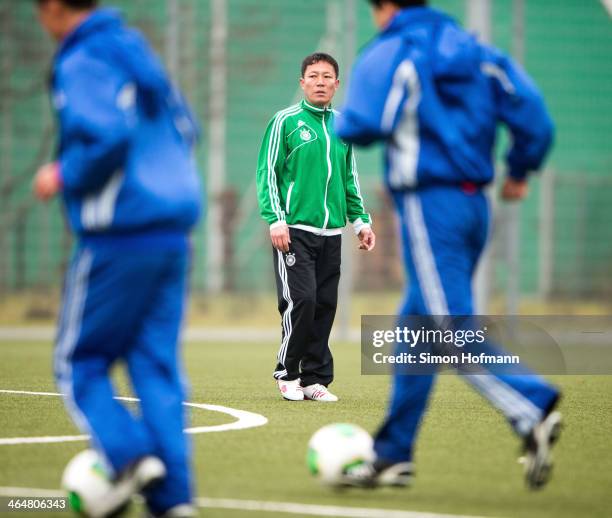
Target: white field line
column 31, row 491
column 12, row 441
column 244, row 420
column 269, row 507
column 316, row 510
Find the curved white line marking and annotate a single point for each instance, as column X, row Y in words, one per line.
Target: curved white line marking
column 244, row 419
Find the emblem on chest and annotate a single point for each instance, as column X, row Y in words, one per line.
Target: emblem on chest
column 305, row 134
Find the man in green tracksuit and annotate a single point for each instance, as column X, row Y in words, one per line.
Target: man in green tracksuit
column 307, row 187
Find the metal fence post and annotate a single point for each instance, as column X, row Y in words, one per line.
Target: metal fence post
column 216, row 144
column 546, row 234
column 479, row 20
column 513, row 211
column 172, row 38
column 6, row 145
column 347, row 278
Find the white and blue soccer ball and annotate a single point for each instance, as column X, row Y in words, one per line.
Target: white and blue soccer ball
column 336, row 448
column 87, row 482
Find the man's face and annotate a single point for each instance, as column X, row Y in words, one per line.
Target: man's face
column 319, row 83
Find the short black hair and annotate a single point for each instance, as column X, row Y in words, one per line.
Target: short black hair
column 76, row 4
column 311, row 59
column 400, row 3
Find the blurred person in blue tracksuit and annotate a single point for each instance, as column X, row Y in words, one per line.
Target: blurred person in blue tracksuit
column 435, row 95
column 125, row 168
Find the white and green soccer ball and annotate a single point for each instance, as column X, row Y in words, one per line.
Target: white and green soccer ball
column 337, row 447
column 87, row 483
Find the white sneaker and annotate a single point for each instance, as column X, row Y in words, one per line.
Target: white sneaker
column 318, row 392
column 291, row 390
column 144, row 473
column 538, row 460
column 377, row 474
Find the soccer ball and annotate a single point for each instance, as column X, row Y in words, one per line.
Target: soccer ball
column 88, row 483
column 337, row 447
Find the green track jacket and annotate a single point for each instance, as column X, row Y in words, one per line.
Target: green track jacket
column 306, row 176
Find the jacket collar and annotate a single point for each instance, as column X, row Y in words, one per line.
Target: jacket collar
column 99, row 19
column 315, row 109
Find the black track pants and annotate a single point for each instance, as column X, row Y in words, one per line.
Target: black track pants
column 307, row 287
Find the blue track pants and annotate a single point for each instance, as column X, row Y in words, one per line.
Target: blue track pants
column 444, row 230
column 123, row 303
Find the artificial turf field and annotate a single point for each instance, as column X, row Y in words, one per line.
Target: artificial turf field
column 466, row 456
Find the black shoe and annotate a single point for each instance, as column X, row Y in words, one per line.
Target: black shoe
column 538, row 458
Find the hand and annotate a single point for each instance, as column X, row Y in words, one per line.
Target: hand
column 367, row 239
column 47, row 182
column 280, row 237
column 514, row 190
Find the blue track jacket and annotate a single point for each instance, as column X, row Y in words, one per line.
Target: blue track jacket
column 436, row 94
column 126, row 134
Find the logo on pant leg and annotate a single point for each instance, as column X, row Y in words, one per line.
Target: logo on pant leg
column 290, row 259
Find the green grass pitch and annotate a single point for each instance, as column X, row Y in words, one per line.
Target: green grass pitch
column 466, row 456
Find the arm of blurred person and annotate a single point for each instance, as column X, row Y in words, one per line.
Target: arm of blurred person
column 521, row 107
column 47, row 182
column 514, row 190
column 377, row 91
column 97, row 115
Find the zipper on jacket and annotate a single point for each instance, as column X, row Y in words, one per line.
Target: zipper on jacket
column 329, row 171
column 288, row 204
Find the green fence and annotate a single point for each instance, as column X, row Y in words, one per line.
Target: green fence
column 565, row 245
